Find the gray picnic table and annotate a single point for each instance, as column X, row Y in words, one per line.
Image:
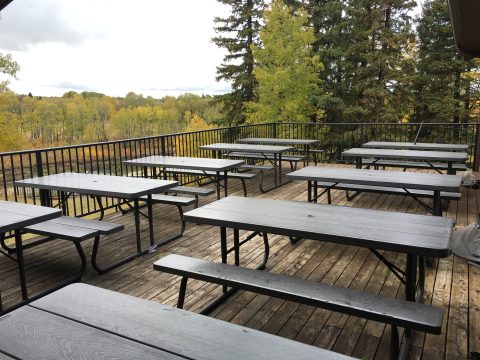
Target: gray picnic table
column 418, row 236
column 86, row 322
column 415, row 146
column 13, row 218
column 98, row 186
column 263, row 150
column 428, row 157
column 305, row 143
column 205, row 165
column 407, row 181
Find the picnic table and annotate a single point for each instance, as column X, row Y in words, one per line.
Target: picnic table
column 205, row 165
column 415, row 146
column 417, row 236
column 14, row 217
column 305, row 143
column 120, row 187
column 407, row 181
column 428, row 157
column 263, row 150
column 85, row 322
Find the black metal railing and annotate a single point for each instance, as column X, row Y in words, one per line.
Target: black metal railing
column 108, row 157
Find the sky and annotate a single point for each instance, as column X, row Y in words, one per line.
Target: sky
column 150, row 47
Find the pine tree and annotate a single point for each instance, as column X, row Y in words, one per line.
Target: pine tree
column 378, row 61
column 237, row 33
column 438, row 82
column 286, row 72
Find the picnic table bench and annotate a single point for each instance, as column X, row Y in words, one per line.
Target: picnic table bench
column 306, row 145
column 415, row 185
column 415, row 146
column 13, row 218
column 121, row 187
column 213, row 169
column 417, row 236
column 82, row 321
column 426, row 157
column 264, row 151
column 395, row 312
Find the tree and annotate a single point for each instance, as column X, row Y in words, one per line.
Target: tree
column 438, row 83
column 241, row 29
column 7, row 66
column 378, row 64
column 287, row 74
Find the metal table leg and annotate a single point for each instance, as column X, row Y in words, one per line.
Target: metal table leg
column 20, row 263
column 218, row 185
column 225, row 184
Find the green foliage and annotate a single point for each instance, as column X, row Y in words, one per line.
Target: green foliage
column 9, row 67
column 442, row 93
column 287, row 74
column 237, row 33
column 27, row 121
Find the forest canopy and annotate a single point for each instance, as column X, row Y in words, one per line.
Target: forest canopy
column 287, row 60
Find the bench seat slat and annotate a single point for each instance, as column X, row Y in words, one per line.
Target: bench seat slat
column 200, row 191
column 370, row 306
column 293, row 158
column 63, row 231
column 257, row 167
column 414, row 164
column 104, row 227
column 233, row 175
column 390, row 190
column 171, row 199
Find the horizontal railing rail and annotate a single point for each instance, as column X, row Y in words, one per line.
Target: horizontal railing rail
column 108, row 157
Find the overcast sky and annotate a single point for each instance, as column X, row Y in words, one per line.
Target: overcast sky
column 150, row 47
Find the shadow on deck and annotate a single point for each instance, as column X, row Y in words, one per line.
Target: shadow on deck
column 451, row 283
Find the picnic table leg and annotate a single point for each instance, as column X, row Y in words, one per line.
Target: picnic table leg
column 20, row 263
column 136, row 212
column 450, row 170
column 315, row 191
column 236, row 245
column 306, row 149
column 218, row 185
column 437, row 203
column 358, row 162
column 225, row 184
column 309, row 191
column 275, row 169
column 280, row 168
column 150, row 219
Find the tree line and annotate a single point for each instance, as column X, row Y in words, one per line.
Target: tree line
column 344, row 61
column 288, row 60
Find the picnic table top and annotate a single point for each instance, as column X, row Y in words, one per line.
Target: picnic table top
column 252, row 148
column 192, row 163
column 102, row 185
column 81, row 320
column 15, row 215
column 391, row 231
column 278, row 141
column 397, row 179
column 406, row 154
column 418, row 146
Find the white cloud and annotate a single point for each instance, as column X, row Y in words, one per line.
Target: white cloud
column 113, row 46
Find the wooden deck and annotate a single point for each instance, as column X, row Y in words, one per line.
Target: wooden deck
column 451, row 283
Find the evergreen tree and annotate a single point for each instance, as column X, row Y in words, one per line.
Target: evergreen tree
column 286, row 72
column 237, row 33
column 378, row 61
column 438, row 82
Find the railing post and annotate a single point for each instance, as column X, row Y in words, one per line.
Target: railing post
column 162, row 145
column 44, row 194
column 476, row 154
column 274, row 130
column 230, row 134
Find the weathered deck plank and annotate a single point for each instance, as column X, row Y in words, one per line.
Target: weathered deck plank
column 451, row 283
